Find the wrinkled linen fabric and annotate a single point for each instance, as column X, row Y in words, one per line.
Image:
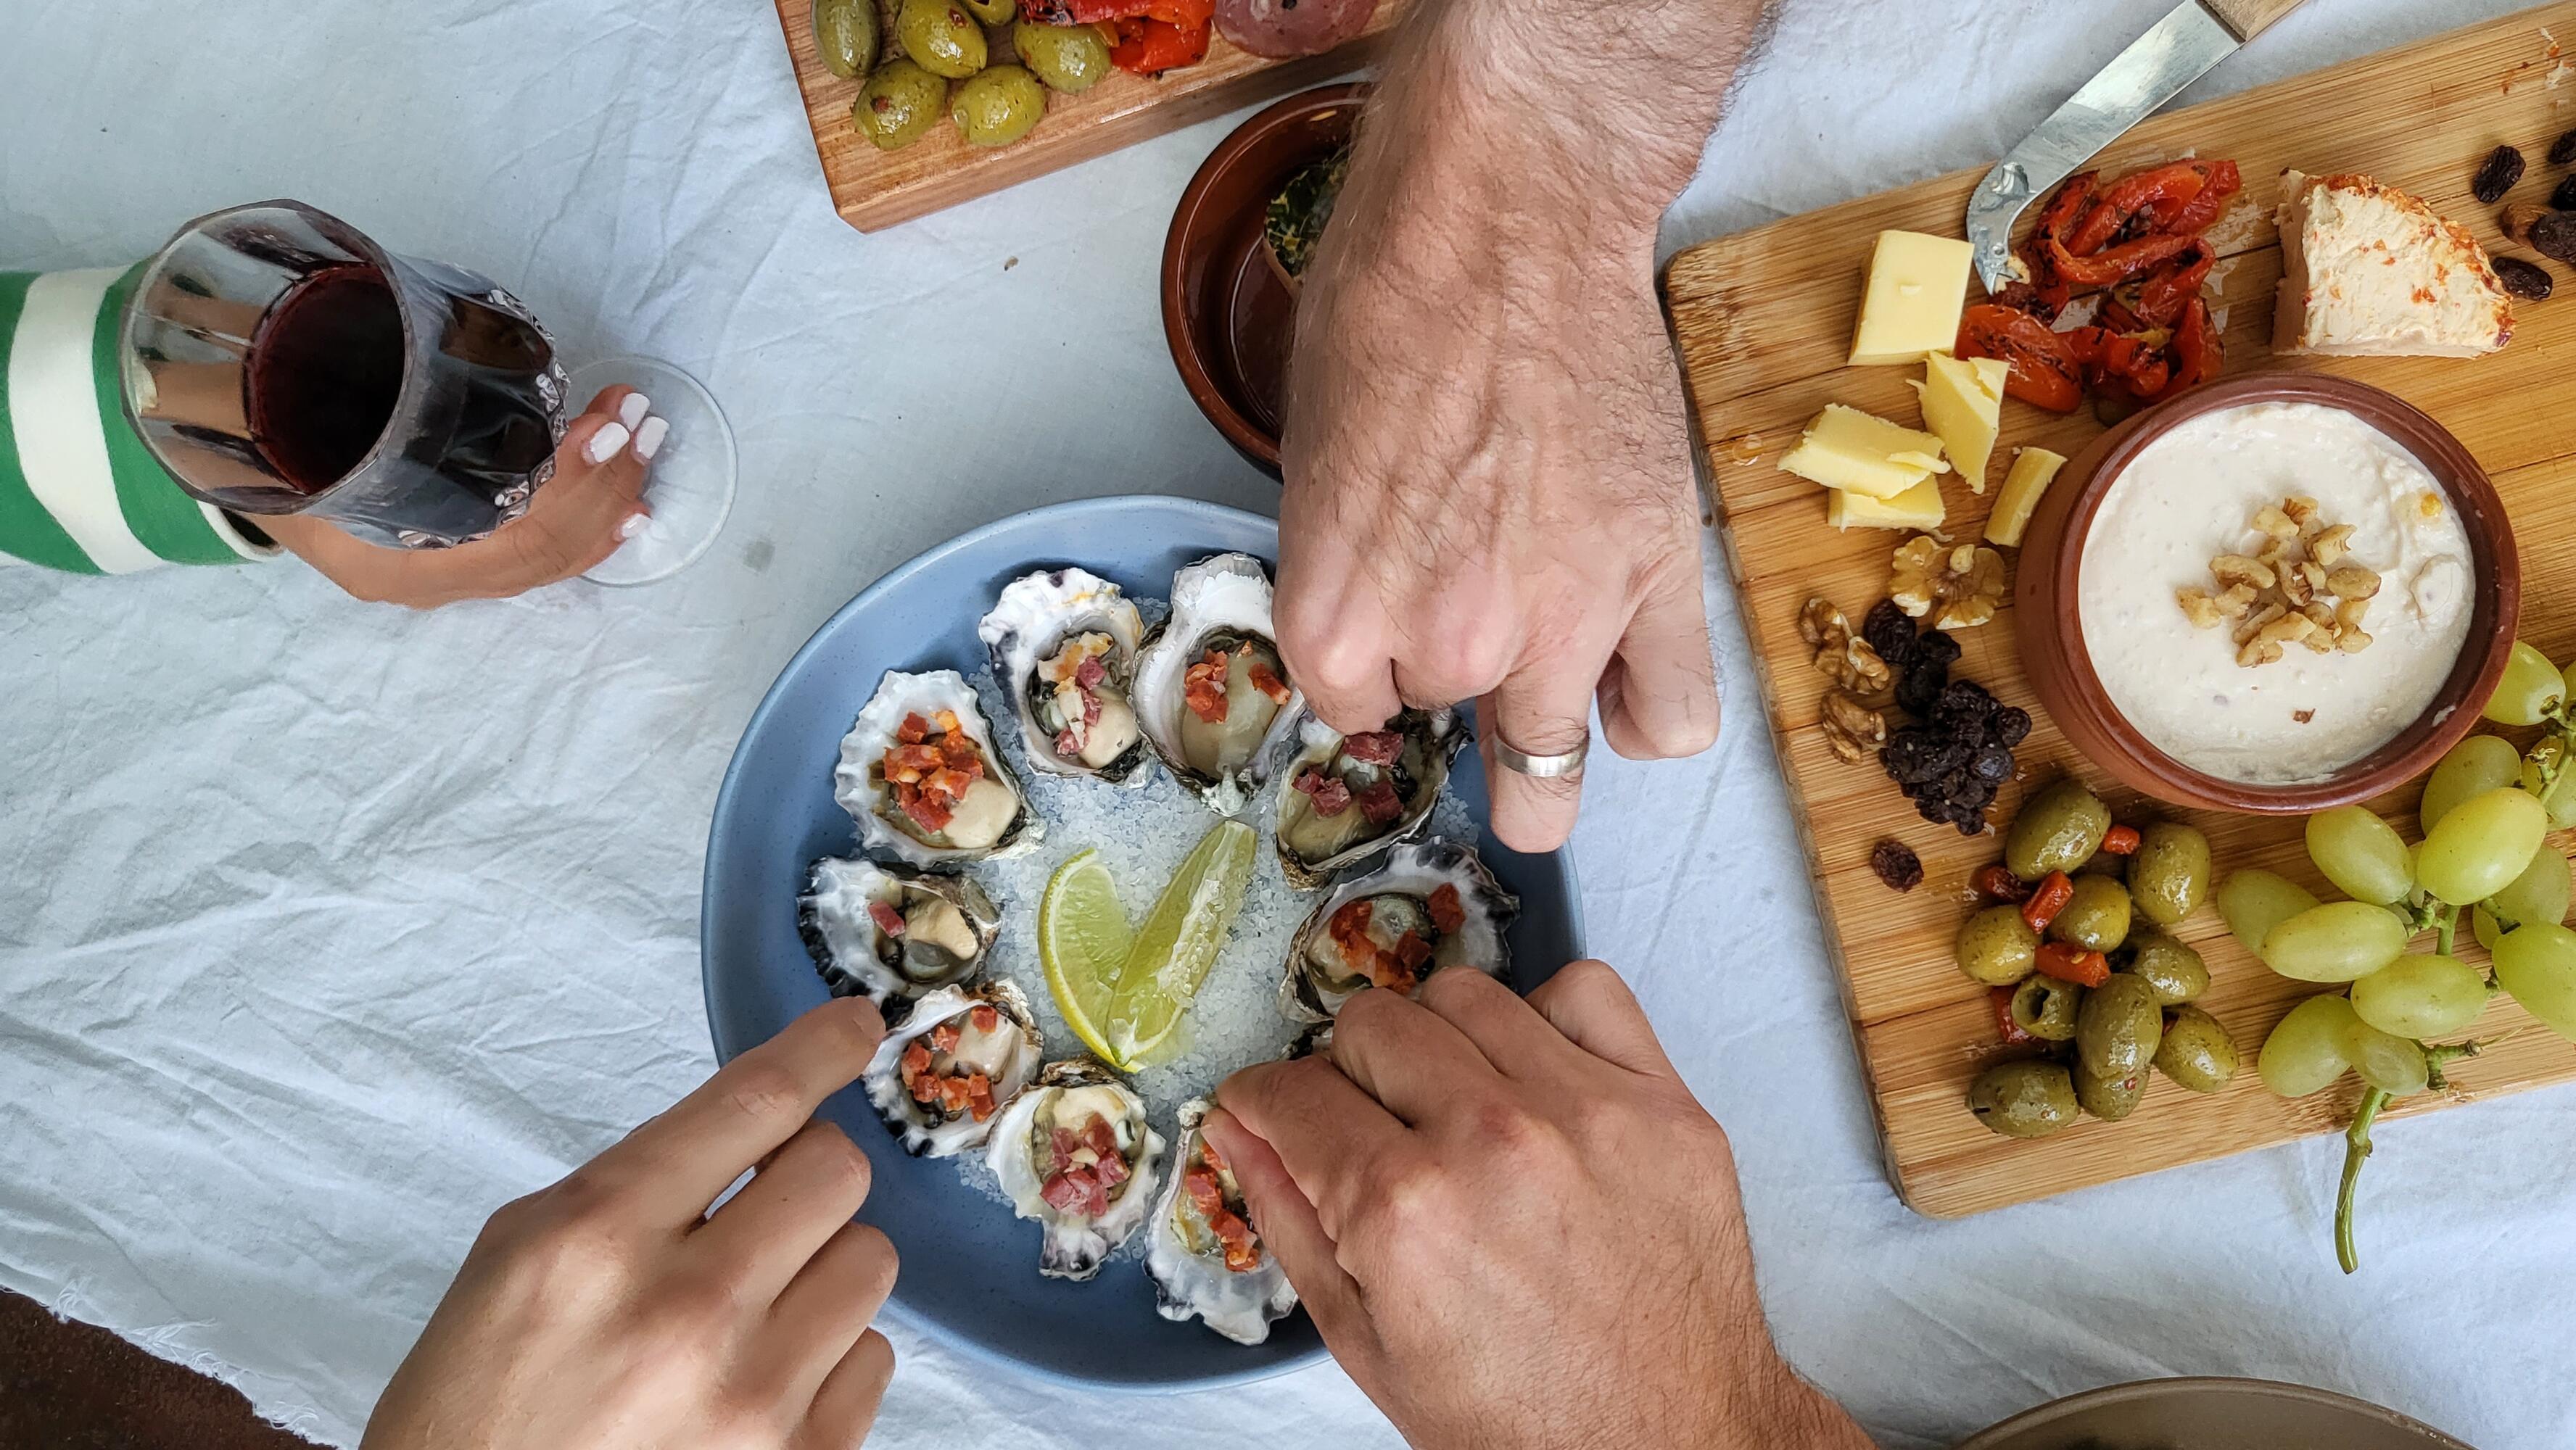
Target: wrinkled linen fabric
column 325, row 929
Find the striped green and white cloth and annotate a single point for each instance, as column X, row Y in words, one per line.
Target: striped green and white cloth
column 79, row 491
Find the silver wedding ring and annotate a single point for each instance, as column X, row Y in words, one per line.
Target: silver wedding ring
column 1544, row 767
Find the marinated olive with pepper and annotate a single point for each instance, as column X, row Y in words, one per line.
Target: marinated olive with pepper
column 2169, row 876
column 2047, row 1008
column 940, row 37
column 2173, row 971
column 2118, row 1027
column 898, row 105
column 999, row 106
column 2058, row 829
column 1069, row 58
column 2096, row 917
column 992, row 12
column 2196, row 1052
column 1997, row 947
column 2030, row 1099
column 2109, row 1098
column 845, row 36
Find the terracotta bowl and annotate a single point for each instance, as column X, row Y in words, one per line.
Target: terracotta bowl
column 1226, row 313
column 2061, row 670
column 2210, row 1414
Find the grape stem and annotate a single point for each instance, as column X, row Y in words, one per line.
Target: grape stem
column 2356, row 1151
column 2445, row 924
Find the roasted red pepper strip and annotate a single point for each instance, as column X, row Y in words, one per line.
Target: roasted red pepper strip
column 2045, row 371
column 1161, row 35
column 2046, row 902
column 2116, row 264
column 2136, row 203
column 2162, row 296
column 2005, row 1027
column 2068, row 962
column 2121, row 840
column 2198, row 213
column 1998, row 885
column 2196, row 351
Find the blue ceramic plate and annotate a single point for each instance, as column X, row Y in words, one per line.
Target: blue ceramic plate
column 969, row 1268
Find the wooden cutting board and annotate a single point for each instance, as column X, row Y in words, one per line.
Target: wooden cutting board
column 1763, row 320
column 875, row 189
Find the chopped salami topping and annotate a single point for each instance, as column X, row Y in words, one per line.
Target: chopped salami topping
column 1071, row 1192
column 1267, row 681
column 1090, row 672
column 926, row 812
column 984, row 1016
column 1448, row 913
column 1214, row 1159
column 1411, row 951
column 943, row 1038
column 947, row 722
column 1111, row 1170
column 1374, row 747
column 952, row 1095
column 1203, row 688
column 912, row 731
column 1332, row 797
column 1066, row 744
column 888, row 920
column 930, row 767
column 1379, row 803
column 979, row 1096
column 1100, row 1138
column 1090, row 709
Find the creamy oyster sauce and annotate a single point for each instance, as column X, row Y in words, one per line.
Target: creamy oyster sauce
column 2187, row 498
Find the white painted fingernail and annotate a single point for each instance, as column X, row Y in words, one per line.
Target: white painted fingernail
column 604, row 444
column 631, row 412
column 648, row 439
column 634, row 525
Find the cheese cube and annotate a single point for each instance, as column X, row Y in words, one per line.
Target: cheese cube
column 1918, row 508
column 1918, row 285
column 1846, row 448
column 1963, row 400
column 2033, row 469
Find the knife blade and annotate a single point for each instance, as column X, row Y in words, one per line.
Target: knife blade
column 2180, row 49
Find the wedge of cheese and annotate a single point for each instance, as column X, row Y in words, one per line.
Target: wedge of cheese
column 2368, row 271
column 1963, row 401
column 1918, row 285
column 2033, row 470
column 1858, row 452
column 1917, row 508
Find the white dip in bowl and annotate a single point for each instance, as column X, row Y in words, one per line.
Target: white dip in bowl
column 2187, row 498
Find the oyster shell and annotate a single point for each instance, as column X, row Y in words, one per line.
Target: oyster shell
column 1237, row 1291
column 1057, row 1180
column 989, row 818
column 1404, row 897
column 1349, row 797
column 1002, row 1047
column 1211, row 693
column 891, row 934
column 1042, row 634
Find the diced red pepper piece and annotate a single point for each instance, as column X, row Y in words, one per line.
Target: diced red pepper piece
column 2068, row 962
column 1066, row 745
column 1448, row 912
column 2000, row 999
column 2055, row 890
column 947, row 784
column 1067, row 1192
column 1214, row 1159
column 1100, row 1138
column 888, row 920
column 952, row 1095
column 2121, row 840
column 1374, row 747
column 959, row 753
column 1379, row 802
column 1998, row 885
column 1203, row 1189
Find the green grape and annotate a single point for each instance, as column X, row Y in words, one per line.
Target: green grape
column 2421, row 996
column 2482, row 925
column 2307, row 1050
column 2340, row 941
column 2537, row 964
column 2252, row 902
column 2529, row 688
column 2476, row 765
column 2386, row 1061
column 2361, row 854
column 2481, row 845
column 2538, row 894
column 2548, row 759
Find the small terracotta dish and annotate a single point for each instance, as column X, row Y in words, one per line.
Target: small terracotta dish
column 2061, row 670
column 2207, row 1413
column 1227, row 313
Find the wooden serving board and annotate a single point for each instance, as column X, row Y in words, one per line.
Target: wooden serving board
column 1763, row 320
column 875, row 189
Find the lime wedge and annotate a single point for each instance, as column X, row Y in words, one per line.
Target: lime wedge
column 1177, row 944
column 1083, row 944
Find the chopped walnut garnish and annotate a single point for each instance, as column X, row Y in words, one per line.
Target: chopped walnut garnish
column 1958, row 586
column 2199, row 608
column 2301, row 511
column 2328, row 548
column 2276, row 524
column 2351, row 581
column 2237, row 569
column 2261, row 619
column 2277, row 598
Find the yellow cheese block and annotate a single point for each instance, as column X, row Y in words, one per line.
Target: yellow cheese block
column 1963, row 400
column 1848, row 449
column 1918, row 507
column 2033, row 469
column 1918, row 285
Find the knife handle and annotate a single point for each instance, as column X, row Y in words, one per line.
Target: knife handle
column 2249, row 18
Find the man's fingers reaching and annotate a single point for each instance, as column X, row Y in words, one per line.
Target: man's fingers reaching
column 1404, row 1055
column 1592, row 1006
column 1659, row 694
column 1318, row 1122
column 1289, row 1228
column 827, row 1306
column 802, row 1195
column 1544, row 708
column 845, row 1408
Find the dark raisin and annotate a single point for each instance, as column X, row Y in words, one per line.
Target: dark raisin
column 2011, row 726
column 1890, row 633
column 1897, row 865
column 1919, row 688
column 2563, row 150
column 2553, row 234
column 2502, row 169
column 1993, row 765
column 1963, row 704
column 2524, row 279
column 1941, row 647
column 2564, row 197
column 1971, row 825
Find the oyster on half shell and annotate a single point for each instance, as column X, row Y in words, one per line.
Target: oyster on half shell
column 1200, row 1249
column 946, row 1076
column 1076, row 1153
column 1428, row 905
column 1211, row 693
column 1349, row 797
column 890, row 933
column 941, row 796
column 1064, row 644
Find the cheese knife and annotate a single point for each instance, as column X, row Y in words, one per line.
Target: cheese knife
column 2153, row 70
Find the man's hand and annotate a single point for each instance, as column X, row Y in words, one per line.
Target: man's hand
column 1515, row 1227
column 1488, row 483
column 611, row 1312
column 576, row 520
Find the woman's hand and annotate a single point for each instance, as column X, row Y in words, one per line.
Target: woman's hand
column 576, row 520
column 611, row 1312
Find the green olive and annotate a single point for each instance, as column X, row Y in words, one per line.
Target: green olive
column 2047, row 1008
column 898, row 104
column 999, row 106
column 845, row 33
column 2169, row 875
column 2096, row 917
column 2173, row 971
column 2196, row 1051
column 940, row 36
column 2029, row 1099
column 1070, row 58
column 2058, row 830
column 992, row 12
column 2117, row 1029
column 1997, row 947
column 2109, row 1098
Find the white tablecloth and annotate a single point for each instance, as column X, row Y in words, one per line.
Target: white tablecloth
column 324, row 929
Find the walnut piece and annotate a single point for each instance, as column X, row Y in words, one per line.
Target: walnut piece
column 2237, row 569
column 1851, row 727
column 1958, row 586
column 1821, row 625
column 1841, row 654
